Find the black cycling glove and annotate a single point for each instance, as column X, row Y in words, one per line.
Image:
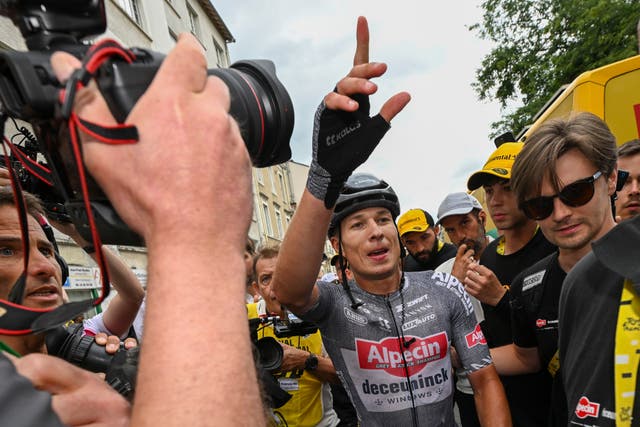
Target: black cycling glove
column 342, row 141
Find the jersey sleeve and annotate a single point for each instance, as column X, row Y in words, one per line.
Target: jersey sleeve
column 521, row 328
column 467, row 336
column 327, row 299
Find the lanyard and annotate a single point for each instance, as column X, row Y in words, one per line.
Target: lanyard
column 626, row 354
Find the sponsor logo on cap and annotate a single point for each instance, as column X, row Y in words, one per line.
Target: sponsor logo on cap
column 475, row 337
column 500, row 171
column 586, row 408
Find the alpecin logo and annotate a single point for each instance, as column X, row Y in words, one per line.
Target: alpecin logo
column 387, row 354
column 475, row 337
column 587, row 409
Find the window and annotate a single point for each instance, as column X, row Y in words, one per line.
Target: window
column 132, row 9
column 220, row 55
column 279, row 222
column 194, row 25
column 259, row 175
column 274, row 190
column 265, row 219
column 173, row 36
column 282, row 187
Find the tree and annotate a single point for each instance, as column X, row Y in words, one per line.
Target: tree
column 544, row 44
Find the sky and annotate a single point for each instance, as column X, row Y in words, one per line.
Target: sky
column 440, row 138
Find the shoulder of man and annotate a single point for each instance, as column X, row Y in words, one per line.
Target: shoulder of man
column 23, row 405
column 448, row 251
column 618, row 249
column 447, row 281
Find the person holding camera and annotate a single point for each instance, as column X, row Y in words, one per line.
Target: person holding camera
column 185, row 112
column 67, row 384
column 387, row 332
column 306, row 371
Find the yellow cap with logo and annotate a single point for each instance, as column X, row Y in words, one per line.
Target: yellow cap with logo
column 414, row 220
column 499, row 164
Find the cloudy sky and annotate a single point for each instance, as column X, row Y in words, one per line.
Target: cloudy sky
column 442, row 135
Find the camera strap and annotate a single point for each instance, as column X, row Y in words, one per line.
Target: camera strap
column 16, row 319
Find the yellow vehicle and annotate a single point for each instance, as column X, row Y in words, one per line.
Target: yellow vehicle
column 610, row 92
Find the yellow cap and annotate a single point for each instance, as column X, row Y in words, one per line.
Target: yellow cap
column 414, row 220
column 499, row 164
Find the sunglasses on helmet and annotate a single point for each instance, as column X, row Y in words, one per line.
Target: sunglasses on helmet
column 576, row 194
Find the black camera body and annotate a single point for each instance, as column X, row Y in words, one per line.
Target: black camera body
column 121, row 369
column 29, row 91
column 293, row 326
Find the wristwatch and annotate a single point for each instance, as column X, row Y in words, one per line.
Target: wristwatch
column 311, row 364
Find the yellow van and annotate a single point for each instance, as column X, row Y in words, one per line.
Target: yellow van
column 611, row 92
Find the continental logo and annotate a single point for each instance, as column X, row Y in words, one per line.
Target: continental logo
column 354, row 317
column 511, row 157
column 585, row 408
column 388, row 356
column 532, row 280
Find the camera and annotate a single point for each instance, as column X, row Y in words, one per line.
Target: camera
column 29, row 91
column 270, row 353
column 70, row 343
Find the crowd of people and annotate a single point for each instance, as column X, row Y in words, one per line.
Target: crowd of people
column 534, row 325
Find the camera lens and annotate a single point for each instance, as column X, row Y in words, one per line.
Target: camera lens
column 270, row 352
column 263, row 109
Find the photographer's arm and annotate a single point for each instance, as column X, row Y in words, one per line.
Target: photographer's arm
column 123, row 308
column 295, row 359
column 78, row 397
column 207, row 234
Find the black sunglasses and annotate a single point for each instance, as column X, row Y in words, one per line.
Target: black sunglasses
column 576, row 194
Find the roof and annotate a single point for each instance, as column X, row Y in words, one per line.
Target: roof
column 215, row 17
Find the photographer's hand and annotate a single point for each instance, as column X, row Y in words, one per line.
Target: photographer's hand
column 186, row 188
column 79, row 397
column 344, row 134
column 294, row 359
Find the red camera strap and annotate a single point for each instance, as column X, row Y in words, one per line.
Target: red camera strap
column 16, row 319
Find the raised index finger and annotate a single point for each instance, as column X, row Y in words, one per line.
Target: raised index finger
column 362, row 38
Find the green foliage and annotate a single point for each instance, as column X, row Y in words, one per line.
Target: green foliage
column 543, row 44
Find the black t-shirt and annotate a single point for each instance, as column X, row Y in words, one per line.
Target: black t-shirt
column 497, row 324
column 446, row 252
column 535, row 296
column 528, row 395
